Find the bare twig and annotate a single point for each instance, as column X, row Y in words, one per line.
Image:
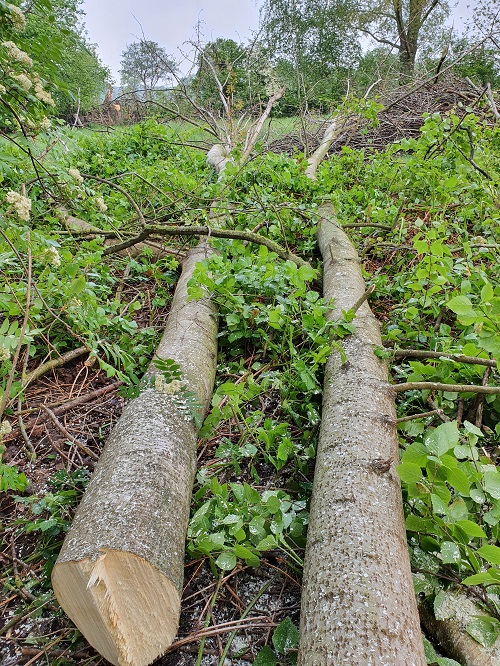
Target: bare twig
column 6, row 396
column 63, row 430
column 61, row 409
column 53, row 363
column 422, row 415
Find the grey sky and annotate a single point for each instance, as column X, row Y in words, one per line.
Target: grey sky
column 111, row 23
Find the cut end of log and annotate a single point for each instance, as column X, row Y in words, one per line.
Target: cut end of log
column 126, row 608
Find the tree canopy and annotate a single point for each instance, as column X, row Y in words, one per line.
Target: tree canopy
column 56, row 39
column 145, row 64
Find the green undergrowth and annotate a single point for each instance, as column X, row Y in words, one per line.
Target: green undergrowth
column 432, row 253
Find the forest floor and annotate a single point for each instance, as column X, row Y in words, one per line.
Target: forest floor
column 224, row 621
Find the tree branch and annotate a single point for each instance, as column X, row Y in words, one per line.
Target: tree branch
column 450, row 388
column 459, row 358
column 207, row 231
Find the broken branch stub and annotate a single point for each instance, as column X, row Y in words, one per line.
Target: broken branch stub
column 358, row 604
column 119, row 573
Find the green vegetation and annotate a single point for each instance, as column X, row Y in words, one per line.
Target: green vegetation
column 430, row 246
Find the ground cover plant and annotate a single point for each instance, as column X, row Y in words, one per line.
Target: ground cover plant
column 81, row 321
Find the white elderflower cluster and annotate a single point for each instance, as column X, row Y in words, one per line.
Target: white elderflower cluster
column 45, row 123
column 3, row 90
column 43, row 95
column 100, row 205
column 16, row 54
column 272, row 85
column 24, row 81
column 76, row 175
column 52, row 256
column 22, row 205
column 4, row 354
column 169, row 389
column 17, row 18
column 5, row 429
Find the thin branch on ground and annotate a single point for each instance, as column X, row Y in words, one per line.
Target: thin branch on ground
column 459, row 358
column 449, row 388
column 208, row 231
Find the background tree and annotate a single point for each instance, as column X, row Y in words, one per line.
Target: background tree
column 61, row 53
column 241, row 70
column 313, row 45
column 145, row 64
column 398, row 24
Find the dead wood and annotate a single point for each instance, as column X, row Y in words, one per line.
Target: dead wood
column 451, row 633
column 119, row 573
column 358, row 604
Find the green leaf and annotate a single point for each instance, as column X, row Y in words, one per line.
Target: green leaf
column 409, row 472
column 416, row 453
column 273, row 504
column 442, row 610
column 430, row 652
column 226, row 561
column 285, row 636
column 450, row 552
column 461, row 305
column 458, row 480
column 443, row 438
column 485, row 577
column 491, row 482
column 471, row 528
column 418, row 524
column 77, row 286
column 490, row 553
column 487, row 293
column 484, row 630
column 266, row 657
column 246, row 554
column 267, row 543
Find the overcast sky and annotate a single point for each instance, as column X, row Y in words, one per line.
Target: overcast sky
column 112, row 24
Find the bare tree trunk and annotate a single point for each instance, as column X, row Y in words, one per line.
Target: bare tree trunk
column 358, row 603
column 119, row 574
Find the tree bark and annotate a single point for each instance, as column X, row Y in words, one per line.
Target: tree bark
column 451, row 632
column 119, row 573
column 358, row 603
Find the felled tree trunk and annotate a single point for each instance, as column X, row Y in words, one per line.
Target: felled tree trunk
column 119, row 574
column 451, row 633
column 358, row 603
